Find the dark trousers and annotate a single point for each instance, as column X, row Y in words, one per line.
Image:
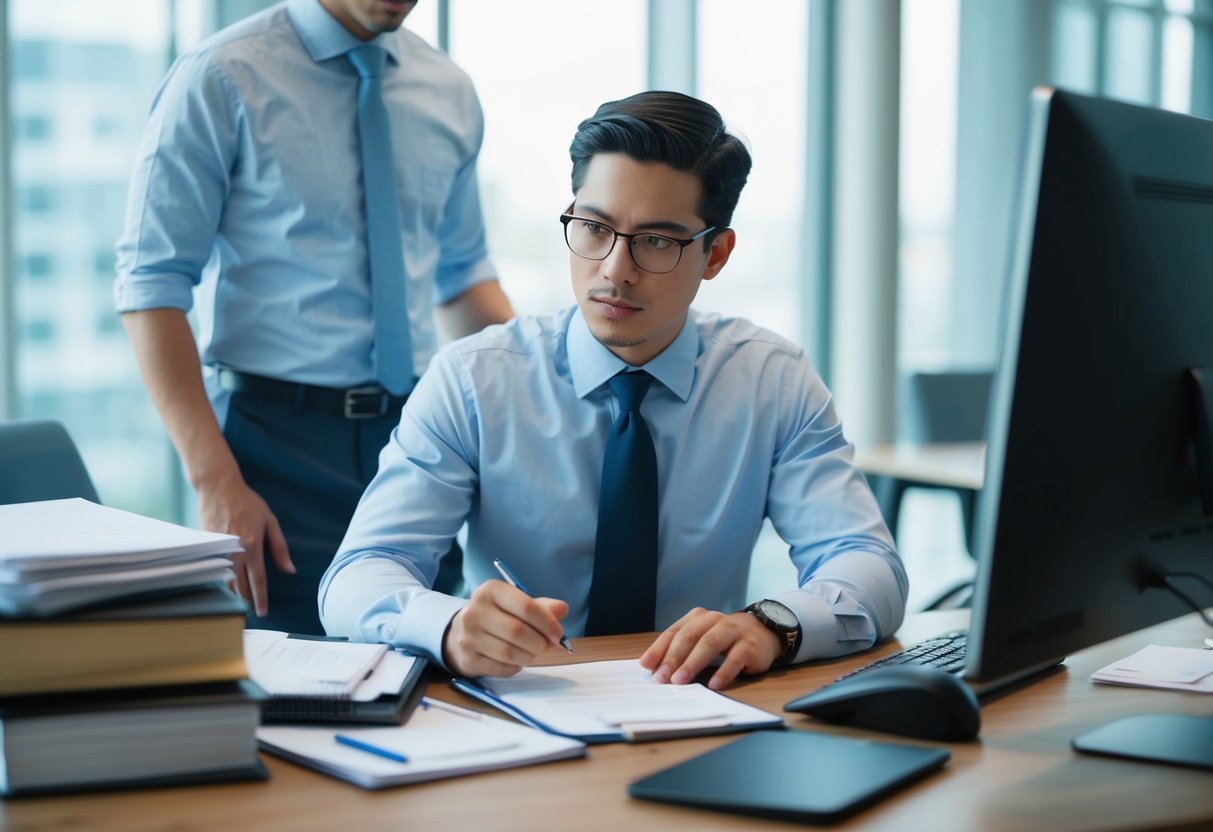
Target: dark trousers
column 311, row 467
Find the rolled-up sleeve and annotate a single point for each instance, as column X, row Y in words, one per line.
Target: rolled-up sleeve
column 178, row 188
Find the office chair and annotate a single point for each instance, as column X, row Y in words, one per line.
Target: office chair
column 946, row 406
column 39, row 461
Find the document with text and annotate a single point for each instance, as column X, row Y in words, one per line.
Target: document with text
column 614, row 701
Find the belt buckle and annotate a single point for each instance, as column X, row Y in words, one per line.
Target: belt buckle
column 357, row 399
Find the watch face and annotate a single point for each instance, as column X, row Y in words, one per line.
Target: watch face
column 779, row 614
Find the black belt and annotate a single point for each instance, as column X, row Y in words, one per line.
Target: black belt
column 367, row 402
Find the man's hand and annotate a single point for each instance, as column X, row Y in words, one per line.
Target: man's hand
column 231, row 507
column 694, row 641
column 501, row 631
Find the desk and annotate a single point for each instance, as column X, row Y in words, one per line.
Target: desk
column 1021, row 774
column 893, row 468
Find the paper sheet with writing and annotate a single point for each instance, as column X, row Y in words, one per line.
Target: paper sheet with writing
column 287, row 666
column 597, row 698
column 439, row 740
column 1156, row 666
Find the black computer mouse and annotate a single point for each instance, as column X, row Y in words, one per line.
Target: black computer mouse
column 913, row 700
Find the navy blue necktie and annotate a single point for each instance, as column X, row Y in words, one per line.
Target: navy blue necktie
column 623, row 595
column 393, row 352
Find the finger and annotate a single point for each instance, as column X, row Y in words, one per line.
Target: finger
column 712, row 643
column 540, row 616
column 694, row 625
column 651, row 658
column 254, row 568
column 735, row 661
column 240, row 579
column 275, row 542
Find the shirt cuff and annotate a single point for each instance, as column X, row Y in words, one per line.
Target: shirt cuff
column 169, row 291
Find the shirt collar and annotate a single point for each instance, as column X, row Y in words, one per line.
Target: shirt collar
column 592, row 365
column 324, row 38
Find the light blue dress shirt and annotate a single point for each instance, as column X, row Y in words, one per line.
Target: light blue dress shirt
column 507, row 429
column 247, row 197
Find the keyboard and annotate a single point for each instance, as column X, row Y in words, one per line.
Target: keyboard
column 947, row 652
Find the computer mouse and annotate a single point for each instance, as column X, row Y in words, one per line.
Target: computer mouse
column 913, row 700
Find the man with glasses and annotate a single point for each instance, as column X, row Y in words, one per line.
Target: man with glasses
column 621, row 456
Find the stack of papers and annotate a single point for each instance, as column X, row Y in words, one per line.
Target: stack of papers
column 1155, row 666
column 57, row 555
column 315, row 679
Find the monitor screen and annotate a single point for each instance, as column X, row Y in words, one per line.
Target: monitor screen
column 1093, row 488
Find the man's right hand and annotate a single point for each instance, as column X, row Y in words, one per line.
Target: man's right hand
column 501, row 631
column 231, row 507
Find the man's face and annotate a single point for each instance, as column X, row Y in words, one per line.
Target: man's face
column 634, row 313
column 367, row 18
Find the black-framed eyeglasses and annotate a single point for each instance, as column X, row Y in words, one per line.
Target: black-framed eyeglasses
column 653, row 253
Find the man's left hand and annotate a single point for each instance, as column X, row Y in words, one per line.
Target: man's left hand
column 694, row 641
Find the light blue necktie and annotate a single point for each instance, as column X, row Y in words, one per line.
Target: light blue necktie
column 393, row 352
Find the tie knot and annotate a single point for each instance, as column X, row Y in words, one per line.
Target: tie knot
column 629, row 388
column 367, row 60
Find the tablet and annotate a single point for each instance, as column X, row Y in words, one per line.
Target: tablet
column 1176, row 739
column 791, row 775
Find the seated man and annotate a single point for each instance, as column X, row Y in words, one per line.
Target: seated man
column 508, row 431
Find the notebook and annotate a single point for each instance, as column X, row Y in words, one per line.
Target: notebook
column 791, row 775
column 317, row 679
column 439, row 740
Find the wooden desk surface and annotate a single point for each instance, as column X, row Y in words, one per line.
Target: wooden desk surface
column 1020, row 774
column 953, row 464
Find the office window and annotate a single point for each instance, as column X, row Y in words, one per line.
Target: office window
column 927, row 181
column 535, row 88
column 738, row 56
column 76, row 75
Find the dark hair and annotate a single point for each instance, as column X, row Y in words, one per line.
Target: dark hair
column 683, row 132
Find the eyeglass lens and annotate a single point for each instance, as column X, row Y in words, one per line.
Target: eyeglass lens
column 651, row 252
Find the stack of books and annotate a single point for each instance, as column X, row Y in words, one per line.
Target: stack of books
column 121, row 653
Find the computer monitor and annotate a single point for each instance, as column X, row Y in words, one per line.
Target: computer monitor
column 1099, row 433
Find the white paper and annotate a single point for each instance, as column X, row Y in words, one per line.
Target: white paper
column 1157, row 666
column 439, row 740
column 617, row 696
column 284, row 666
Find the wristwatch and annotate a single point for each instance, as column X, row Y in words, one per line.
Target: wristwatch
column 782, row 622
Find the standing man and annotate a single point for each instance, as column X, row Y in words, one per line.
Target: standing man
column 308, row 179
column 621, row 456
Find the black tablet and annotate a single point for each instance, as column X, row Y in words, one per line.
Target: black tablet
column 791, row 775
column 1176, row 739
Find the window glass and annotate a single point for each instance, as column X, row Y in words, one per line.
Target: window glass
column 927, row 180
column 1074, row 45
column 539, row 72
column 81, row 77
column 1129, row 62
column 738, row 56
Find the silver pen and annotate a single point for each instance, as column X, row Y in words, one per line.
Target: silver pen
column 511, row 579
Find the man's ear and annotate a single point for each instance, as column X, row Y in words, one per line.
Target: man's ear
column 718, row 253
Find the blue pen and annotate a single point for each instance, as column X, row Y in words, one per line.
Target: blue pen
column 512, row 580
column 378, row 751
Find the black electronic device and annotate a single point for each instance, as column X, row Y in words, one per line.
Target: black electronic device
column 914, row 700
column 802, row 776
column 1097, row 507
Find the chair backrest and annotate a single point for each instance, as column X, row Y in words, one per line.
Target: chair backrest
column 39, row 461
column 948, row 406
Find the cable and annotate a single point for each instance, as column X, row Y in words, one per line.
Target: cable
column 1168, row 582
